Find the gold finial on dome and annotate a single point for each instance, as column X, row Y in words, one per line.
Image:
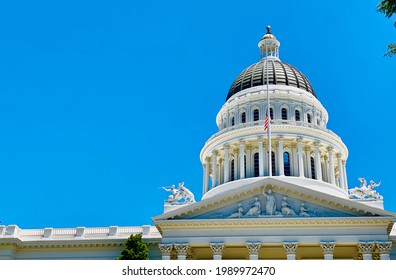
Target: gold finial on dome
column 268, row 35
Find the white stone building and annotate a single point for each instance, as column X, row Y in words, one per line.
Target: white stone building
column 292, row 205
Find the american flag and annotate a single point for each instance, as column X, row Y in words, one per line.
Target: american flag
column 266, row 122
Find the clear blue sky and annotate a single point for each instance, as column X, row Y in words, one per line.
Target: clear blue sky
column 104, row 102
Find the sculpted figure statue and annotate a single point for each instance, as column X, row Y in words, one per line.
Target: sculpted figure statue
column 270, row 203
column 364, row 191
column 256, row 208
column 186, row 193
column 177, row 194
column 303, row 211
column 239, row 212
column 286, row 208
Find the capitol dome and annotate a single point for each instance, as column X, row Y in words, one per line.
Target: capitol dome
column 294, row 146
column 279, row 73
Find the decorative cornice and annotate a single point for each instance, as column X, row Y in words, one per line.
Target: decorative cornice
column 273, row 222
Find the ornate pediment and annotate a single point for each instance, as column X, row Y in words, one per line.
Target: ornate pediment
column 273, row 198
column 270, row 204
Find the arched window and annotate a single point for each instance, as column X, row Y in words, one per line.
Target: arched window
column 284, row 114
column 309, row 118
column 256, row 165
column 273, row 163
column 313, row 171
column 297, row 114
column 318, row 122
column 271, row 113
column 256, row 115
column 286, row 163
column 243, row 117
column 232, row 121
column 232, row 170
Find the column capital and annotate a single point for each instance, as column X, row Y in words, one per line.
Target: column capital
column 217, row 248
column 165, row 249
column 280, row 138
column 384, row 247
column 214, row 153
column 182, row 249
column 327, row 247
column 299, row 139
column 241, row 142
column 290, row 247
column 226, row 146
column 316, row 143
column 260, row 139
column 330, row 148
column 253, row 247
column 366, row 247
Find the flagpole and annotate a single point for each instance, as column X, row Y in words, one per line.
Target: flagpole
column 268, row 115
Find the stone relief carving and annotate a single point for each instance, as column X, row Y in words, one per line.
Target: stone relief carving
column 286, row 208
column 364, row 191
column 270, row 202
column 255, row 210
column 238, row 213
column 178, row 194
column 304, row 210
column 271, row 208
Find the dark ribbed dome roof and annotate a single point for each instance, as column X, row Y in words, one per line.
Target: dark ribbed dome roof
column 279, row 73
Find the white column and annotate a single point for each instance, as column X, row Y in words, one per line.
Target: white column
column 331, row 166
column 254, row 249
column 248, row 162
column 217, row 250
column 280, row 157
column 241, row 160
column 181, row 250
column 236, row 164
column 318, row 165
column 366, row 248
column 166, row 250
column 206, row 178
column 345, row 175
column 220, row 175
column 265, row 159
column 325, row 169
column 226, row 165
column 214, row 169
column 341, row 172
column 308, row 159
column 384, row 249
column 328, row 249
column 291, row 248
column 261, row 157
column 300, row 157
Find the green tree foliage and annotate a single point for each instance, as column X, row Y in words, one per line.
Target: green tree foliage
column 135, row 249
column 388, row 7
